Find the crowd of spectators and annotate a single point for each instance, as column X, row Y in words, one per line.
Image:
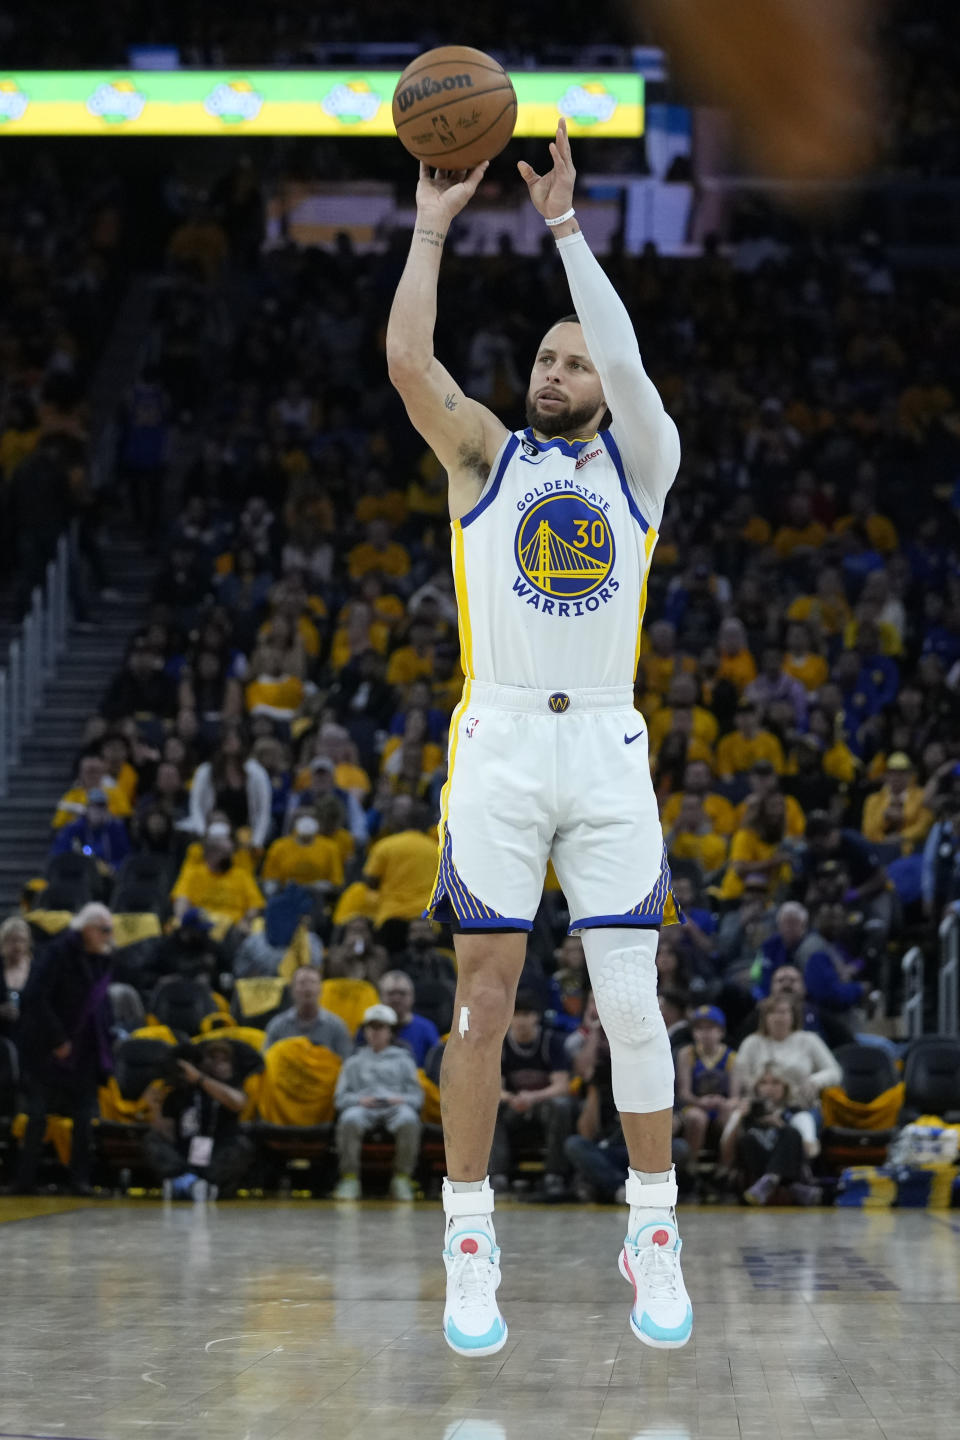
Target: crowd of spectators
column 271, row 754
column 61, row 261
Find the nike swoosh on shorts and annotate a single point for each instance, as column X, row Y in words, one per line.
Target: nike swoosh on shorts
column 629, row 739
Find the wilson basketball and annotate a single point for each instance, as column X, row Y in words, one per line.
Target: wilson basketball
column 454, row 107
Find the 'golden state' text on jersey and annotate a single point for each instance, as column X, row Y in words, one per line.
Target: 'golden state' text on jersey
column 551, row 567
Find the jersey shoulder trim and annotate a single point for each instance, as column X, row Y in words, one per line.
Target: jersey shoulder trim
column 493, row 484
column 613, row 450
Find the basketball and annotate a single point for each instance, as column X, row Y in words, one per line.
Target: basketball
column 454, row 107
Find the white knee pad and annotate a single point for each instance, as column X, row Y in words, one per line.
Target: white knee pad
column 623, row 972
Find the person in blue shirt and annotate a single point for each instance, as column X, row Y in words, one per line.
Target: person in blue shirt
column 790, row 944
column 96, row 833
column 396, row 990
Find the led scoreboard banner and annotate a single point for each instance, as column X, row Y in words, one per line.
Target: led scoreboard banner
column 597, row 104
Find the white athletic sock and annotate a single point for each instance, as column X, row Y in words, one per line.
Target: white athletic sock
column 467, row 1185
column 652, row 1177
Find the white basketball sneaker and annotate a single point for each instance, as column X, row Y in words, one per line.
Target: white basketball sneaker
column 662, row 1315
column 472, row 1323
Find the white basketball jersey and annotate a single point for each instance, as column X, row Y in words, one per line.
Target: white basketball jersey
column 551, row 568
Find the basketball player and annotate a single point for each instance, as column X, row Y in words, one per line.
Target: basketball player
column 553, row 531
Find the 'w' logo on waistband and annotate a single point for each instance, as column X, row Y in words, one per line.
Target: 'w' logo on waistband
column 559, row 702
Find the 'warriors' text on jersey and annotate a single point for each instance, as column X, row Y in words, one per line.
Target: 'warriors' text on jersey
column 551, row 567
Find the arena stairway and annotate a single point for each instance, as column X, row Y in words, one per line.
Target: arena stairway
column 49, row 752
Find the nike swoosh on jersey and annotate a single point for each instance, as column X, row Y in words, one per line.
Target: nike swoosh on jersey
column 629, row 739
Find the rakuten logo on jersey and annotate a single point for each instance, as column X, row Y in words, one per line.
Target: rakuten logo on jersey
column 590, row 455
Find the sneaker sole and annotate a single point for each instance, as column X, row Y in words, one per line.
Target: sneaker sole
column 648, row 1339
column 477, row 1354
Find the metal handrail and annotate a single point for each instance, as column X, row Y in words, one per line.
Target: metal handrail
column 31, row 658
column 948, row 1018
column 912, row 1012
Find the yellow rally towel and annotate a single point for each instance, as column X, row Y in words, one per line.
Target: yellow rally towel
column 128, row 1112
column 129, row 928
column 51, row 922
column 430, row 1114
column 258, row 995
column 221, row 1027
column 298, row 1084
column 879, row 1114
column 155, row 1032
column 348, row 999
column 59, row 1133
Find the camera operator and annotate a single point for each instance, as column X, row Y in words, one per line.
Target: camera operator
column 194, row 1145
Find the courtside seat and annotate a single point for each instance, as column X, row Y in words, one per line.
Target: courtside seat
column 860, row 1115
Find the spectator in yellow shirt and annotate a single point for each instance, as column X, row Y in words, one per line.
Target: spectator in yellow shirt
column 740, row 750
column 660, row 659
column 801, row 662
column 360, row 632
column 682, row 695
column 693, row 837
column 91, row 774
column 272, row 692
column 224, row 890
column 877, row 532
column 697, row 780
column 401, row 868
column 896, row 814
column 304, row 857
column 414, row 733
column 828, row 610
column 759, row 849
column 763, row 780
column 118, row 772
column 379, row 552
column 736, row 662
column 379, row 501
column 413, row 661
column 801, row 533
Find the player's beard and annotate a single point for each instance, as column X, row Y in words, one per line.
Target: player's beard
column 569, row 421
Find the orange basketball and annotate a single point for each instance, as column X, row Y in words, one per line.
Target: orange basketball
column 454, row 107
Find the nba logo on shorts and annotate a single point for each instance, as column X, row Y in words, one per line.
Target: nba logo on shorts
column 472, row 724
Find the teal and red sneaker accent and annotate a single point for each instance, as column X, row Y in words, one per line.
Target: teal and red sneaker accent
column 662, row 1315
column 472, row 1323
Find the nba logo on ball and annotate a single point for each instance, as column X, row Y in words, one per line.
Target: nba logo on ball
column 454, row 107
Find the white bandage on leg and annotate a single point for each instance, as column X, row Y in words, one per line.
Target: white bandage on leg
column 623, row 972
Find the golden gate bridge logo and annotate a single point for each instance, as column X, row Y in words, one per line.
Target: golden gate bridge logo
column 564, row 547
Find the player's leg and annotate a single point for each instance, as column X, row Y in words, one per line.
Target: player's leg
column 610, row 860
column 489, row 968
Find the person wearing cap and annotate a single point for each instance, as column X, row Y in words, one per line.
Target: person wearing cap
column 739, row 751
column 95, row 834
column 194, row 1145
column 65, row 1047
column 895, row 815
column 378, row 1087
column 304, row 857
column 705, row 1079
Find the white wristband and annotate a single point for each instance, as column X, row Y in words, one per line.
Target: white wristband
column 560, row 219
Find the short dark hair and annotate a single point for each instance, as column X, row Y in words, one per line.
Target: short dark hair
column 819, row 825
column 527, row 1003
column 567, row 320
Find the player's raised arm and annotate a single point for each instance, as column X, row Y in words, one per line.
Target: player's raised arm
column 463, row 434
column 645, row 433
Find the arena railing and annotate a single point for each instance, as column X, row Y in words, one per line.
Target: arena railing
column 948, row 1021
column 912, row 1011
column 31, row 658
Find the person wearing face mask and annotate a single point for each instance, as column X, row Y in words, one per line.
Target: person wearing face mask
column 217, row 885
column 305, row 857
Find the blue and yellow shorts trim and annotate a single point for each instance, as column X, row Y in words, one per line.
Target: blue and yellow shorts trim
column 453, row 901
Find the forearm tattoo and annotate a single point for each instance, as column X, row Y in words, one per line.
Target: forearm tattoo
column 450, row 401
column 431, row 237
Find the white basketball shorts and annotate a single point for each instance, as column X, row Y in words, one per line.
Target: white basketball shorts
column 537, row 775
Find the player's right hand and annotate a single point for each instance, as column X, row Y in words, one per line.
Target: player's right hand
column 442, row 194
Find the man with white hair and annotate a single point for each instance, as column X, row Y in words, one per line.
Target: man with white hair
column 65, row 1046
column 790, row 944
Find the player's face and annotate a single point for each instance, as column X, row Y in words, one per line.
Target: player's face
column 565, row 397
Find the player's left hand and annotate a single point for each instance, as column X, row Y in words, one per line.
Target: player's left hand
column 552, row 194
